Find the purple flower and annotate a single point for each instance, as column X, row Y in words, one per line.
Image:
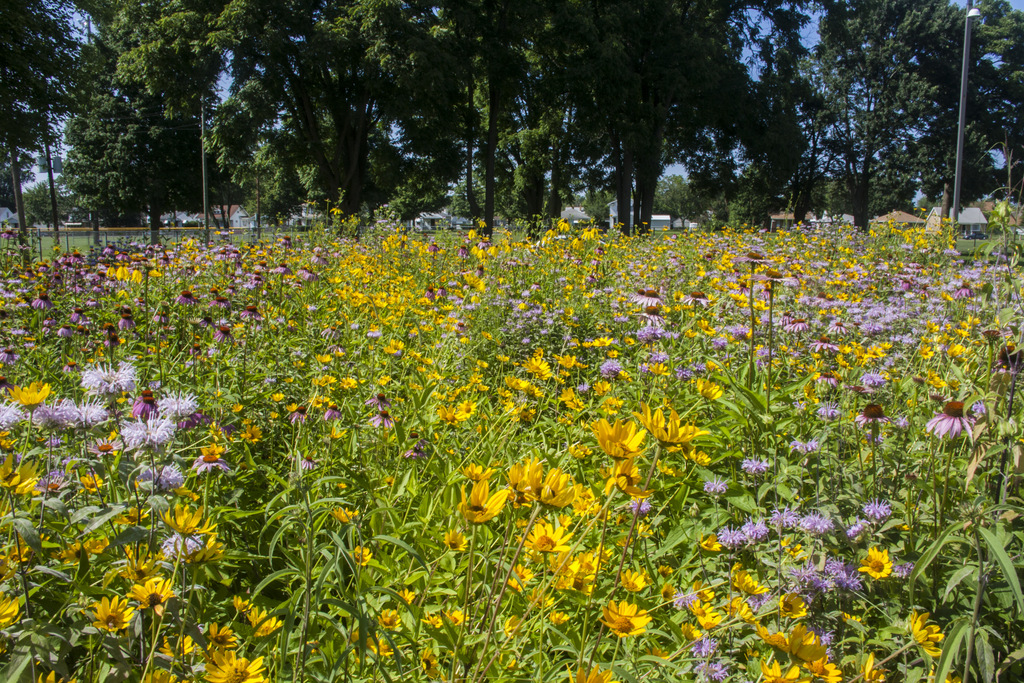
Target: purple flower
column 858, row 527
column 165, row 478
column 877, row 511
column 382, row 419
column 829, row 412
column 640, row 506
column 704, row 647
column 731, row 538
column 684, row 600
column 715, row 487
column 306, row 461
column 903, row 570
column 950, row 422
column 712, row 671
column 754, row 467
column 155, row 433
column 816, row 524
column 209, row 462
column 177, row 406
column 378, row 401
column 755, row 531
column 784, row 519
column 611, row 369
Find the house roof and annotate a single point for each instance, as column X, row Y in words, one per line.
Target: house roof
column 972, row 215
column 781, row 216
column 899, row 217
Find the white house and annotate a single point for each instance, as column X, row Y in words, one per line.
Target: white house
column 658, row 220
column 8, row 216
column 971, row 220
column 574, row 214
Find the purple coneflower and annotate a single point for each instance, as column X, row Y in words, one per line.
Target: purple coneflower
column 872, row 415
column 378, row 401
column 210, row 461
column 646, row 297
column 332, row 413
column 186, row 298
column 42, row 302
column 8, row 356
column 250, row 313
column 950, row 422
column 144, row 406
column 222, row 333
column 298, row 415
column 382, row 419
column 307, row 462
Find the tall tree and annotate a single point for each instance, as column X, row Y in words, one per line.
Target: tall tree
column 869, row 58
column 128, row 154
column 340, row 77
column 37, row 73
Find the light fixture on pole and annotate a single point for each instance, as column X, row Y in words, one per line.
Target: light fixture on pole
column 972, row 13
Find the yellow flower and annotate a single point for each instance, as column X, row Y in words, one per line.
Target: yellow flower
column 870, row 673
column 481, row 506
column 361, row 555
column 220, row 638
column 825, row 670
column 475, row 472
column 791, row 605
column 626, row 476
column 187, row 522
column 30, row 396
column 745, row 583
column 710, row 543
column 455, row 616
column 595, row 675
column 927, row 635
column 112, row 615
column 160, row 676
column 9, row 610
column 621, row 440
column 344, row 515
column 557, row 489
column 634, row 582
column 805, row 645
column 708, row 390
column 772, row 673
column 877, row 564
column 669, row 431
column 225, row 667
column 262, row 622
column 455, row 540
column 390, row 620
column 52, row 677
column 20, row 479
column 546, row 539
column 625, row 619
column 558, row 618
column 538, row 367
column 153, row 594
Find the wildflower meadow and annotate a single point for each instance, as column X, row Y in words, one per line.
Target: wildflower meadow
column 724, row 456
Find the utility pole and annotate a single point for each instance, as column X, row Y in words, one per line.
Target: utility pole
column 971, row 14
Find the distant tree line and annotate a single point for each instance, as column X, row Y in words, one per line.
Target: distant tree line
column 510, row 108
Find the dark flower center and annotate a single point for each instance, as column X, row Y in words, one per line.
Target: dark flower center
column 954, row 409
column 873, row 411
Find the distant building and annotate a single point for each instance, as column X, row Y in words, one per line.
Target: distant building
column 574, row 215
column 658, row 220
column 8, row 216
column 972, row 220
column 898, row 217
column 781, row 221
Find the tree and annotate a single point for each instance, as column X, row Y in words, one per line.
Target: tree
column 869, row 58
column 129, row 154
column 340, row 78
column 675, row 197
column 36, row 76
column 668, row 81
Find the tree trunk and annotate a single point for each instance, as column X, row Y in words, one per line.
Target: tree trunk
column 19, row 204
column 492, row 151
column 94, row 218
column 474, row 205
column 53, row 194
column 624, row 190
column 154, row 222
column 554, row 208
column 947, row 200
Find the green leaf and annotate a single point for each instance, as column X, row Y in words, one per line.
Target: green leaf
column 957, row 577
column 101, row 519
column 956, row 633
column 1005, row 564
column 405, row 546
column 28, row 533
column 929, row 555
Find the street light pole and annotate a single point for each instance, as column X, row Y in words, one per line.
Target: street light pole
column 972, row 12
